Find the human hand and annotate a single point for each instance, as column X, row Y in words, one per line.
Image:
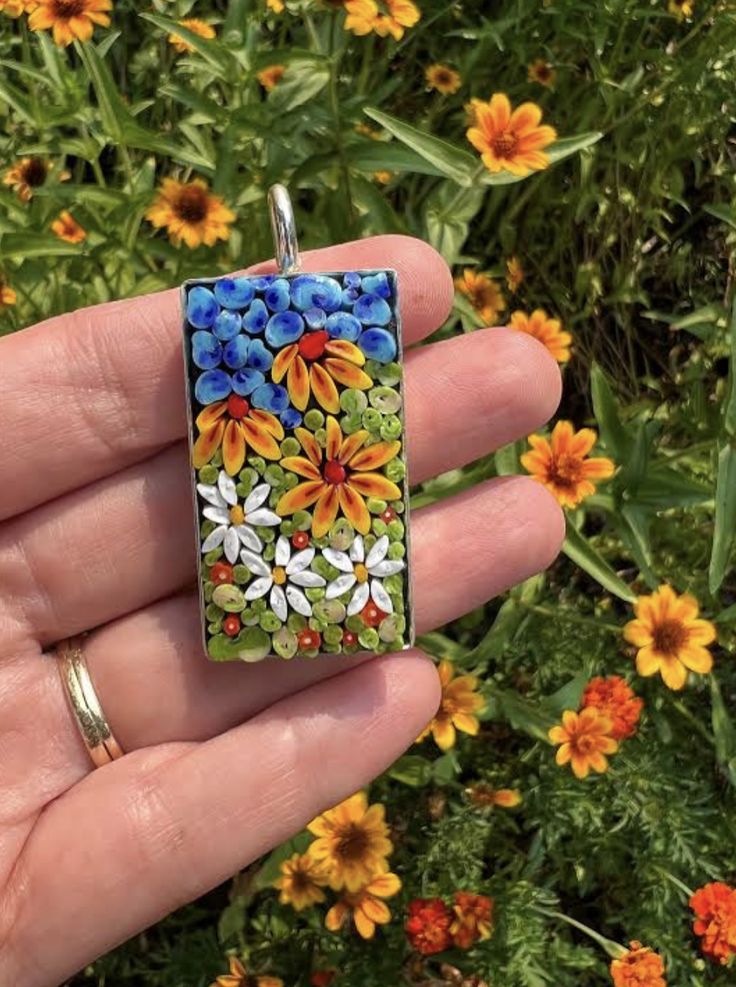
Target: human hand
column 223, row 761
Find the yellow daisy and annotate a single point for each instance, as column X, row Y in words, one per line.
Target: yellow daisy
column 483, row 293
column 301, row 882
column 67, row 228
column 70, row 19
column 585, row 740
column 542, row 72
column 190, row 212
column 510, row 140
column 562, row 464
column 196, row 26
column 239, row 977
column 442, row 78
column 8, row 296
column 458, row 706
column 351, row 843
column 271, row 76
column 365, row 905
column 547, row 330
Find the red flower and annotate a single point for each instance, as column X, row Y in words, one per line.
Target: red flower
column 473, row 918
column 309, row 640
column 428, row 925
column 322, row 978
column 715, row 920
column 300, row 540
column 221, row 574
column 617, row 701
column 231, row 625
column 371, row 615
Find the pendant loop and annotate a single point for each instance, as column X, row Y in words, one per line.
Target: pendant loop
column 284, row 230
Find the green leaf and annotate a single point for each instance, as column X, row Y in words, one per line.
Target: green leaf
column 458, row 165
column 722, row 212
column 411, row 769
column 616, row 437
column 568, row 697
column 531, row 718
column 370, row 155
column 581, row 552
column 217, row 56
column 24, row 245
column 303, row 80
column 724, row 731
column 724, row 531
column 562, row 149
column 665, row 487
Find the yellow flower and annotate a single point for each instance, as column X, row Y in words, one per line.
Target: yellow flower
column 366, row 131
column 235, row 426
column 314, row 364
column 458, row 706
column 271, row 76
column 510, row 140
column 442, row 78
column 8, row 296
column 484, row 796
column 681, row 9
column 196, row 26
column 70, row 19
column 585, row 739
column 239, row 977
column 26, row 175
column 339, row 478
column 514, row 274
column 190, row 212
column 364, row 16
column 562, row 466
column 301, row 882
column 67, row 228
column 670, row 636
column 483, row 293
column 366, row 906
column 352, row 843
column 382, row 177
column 14, row 8
column 542, row 72
column 547, row 330
column 277, row 6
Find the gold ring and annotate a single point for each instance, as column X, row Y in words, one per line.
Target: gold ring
column 95, row 730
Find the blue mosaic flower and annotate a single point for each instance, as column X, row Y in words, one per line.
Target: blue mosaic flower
column 235, row 352
column 291, row 418
column 378, row 344
column 372, row 310
column 353, row 280
column 315, row 318
column 211, row 386
column 202, row 307
column 245, row 381
column 234, row 292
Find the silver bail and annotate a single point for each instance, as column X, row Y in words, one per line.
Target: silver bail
column 284, row 230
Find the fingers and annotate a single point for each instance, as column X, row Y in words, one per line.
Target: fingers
column 125, row 540
column 156, row 685
column 146, row 834
column 89, row 393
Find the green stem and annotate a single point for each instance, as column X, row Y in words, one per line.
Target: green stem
column 675, row 880
column 614, row 949
column 365, row 68
column 571, row 618
column 693, row 721
column 335, row 59
column 461, row 192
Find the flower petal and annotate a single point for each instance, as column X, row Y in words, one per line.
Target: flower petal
column 297, row 383
column 378, row 552
column 249, row 538
column 357, row 549
column 216, row 514
column 326, row 510
column 359, row 599
column 207, row 445
column 268, row 421
column 340, row 585
column 256, row 497
column 674, row 673
column 323, row 388
column 346, row 351
column 374, row 485
column 387, row 568
column 231, row 546
column 351, row 444
column 277, row 600
column 334, row 438
column 354, row 509
column 283, row 550
column 308, row 578
column 214, row 539
column 210, row 416
column 211, row 494
column 298, row 601
column 283, row 361
column 374, row 456
column 264, row 518
column 347, row 373
column 310, row 445
column 381, row 597
column 255, row 563
column 300, row 561
column 301, row 466
column 340, row 560
column 233, row 447
column 300, row 497
column 258, row 588
column 226, row 486
column 260, row 440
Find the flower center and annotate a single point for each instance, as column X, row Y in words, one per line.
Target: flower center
column 669, row 637
column 237, row 515
column 566, row 471
column 191, row 204
column 279, row 575
column 361, row 573
column 312, row 345
column 586, row 743
column 334, row 472
column 237, row 407
column 505, row 144
column 301, row 881
column 353, row 843
column 66, row 9
column 34, row 172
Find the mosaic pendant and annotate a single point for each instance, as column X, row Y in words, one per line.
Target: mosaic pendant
column 296, row 430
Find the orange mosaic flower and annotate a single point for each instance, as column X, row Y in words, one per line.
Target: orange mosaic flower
column 67, row 228
column 585, row 740
column 235, row 426
column 670, row 636
column 338, row 478
column 509, row 140
column 714, row 906
column 639, row 967
column 196, row 26
column 366, row 906
column 473, row 918
column 483, row 293
column 562, row 464
column 485, row 796
column 271, row 76
column 190, row 212
column 313, row 364
column 615, row 699
column 392, row 17
column 70, row 19
column 458, row 706
column 514, row 274
column 548, row 331
column 542, row 72
column 239, row 977
column 442, row 78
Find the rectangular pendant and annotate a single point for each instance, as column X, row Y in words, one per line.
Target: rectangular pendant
column 296, row 432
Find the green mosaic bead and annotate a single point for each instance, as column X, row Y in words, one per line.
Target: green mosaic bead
column 390, row 374
column 290, row 481
column 296, row 622
column 396, row 471
column 314, row 419
column 241, row 574
column 378, row 527
column 320, row 435
column 213, row 612
column 369, row 638
column 248, row 618
column 259, row 606
column 323, row 568
column 372, row 420
column 375, row 505
column 394, row 584
column 209, row 589
column 341, row 535
column 290, row 446
column 287, row 528
column 230, row 598
column 269, row 552
column 391, row 428
column 215, row 627
column 302, row 520
column 274, row 475
column 385, row 399
column 208, row 474
column 267, row 535
column 216, row 460
column 351, row 423
column 355, row 624
column 396, row 530
column 214, row 556
column 372, row 368
column 332, row 635
column 314, row 593
column 285, row 643
column 269, row 622
column 396, row 550
column 352, row 400
column 207, row 528
column 257, row 463
column 329, row 611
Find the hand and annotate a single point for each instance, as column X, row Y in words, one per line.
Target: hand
column 223, row 761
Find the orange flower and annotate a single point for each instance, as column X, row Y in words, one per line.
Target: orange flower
column 271, row 76
column 277, row 6
column 29, row 174
column 562, row 466
column 514, row 274
column 484, row 796
column 681, row 9
column 473, row 918
column 301, row 882
column 352, row 843
column 442, row 78
column 366, row 906
column 483, row 294
column 196, row 26
column 67, row 228
column 548, row 331
column 190, row 212
column 615, row 699
column 7, row 295
column 382, row 177
column 70, row 19
column 239, row 977
column 314, row 364
column 542, row 72
column 510, row 141
column 428, row 925
column 458, row 706
column 14, row 8
column 338, row 479
column 639, row 967
column 234, row 425
column 392, row 18
column 670, row 636
column 714, row 906
column 585, row 739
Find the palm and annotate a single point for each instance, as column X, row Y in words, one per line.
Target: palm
column 223, row 762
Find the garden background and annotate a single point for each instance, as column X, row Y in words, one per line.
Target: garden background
column 626, row 238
